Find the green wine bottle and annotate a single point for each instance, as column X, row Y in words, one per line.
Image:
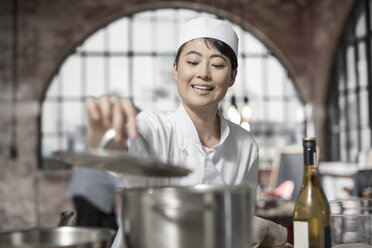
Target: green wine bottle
column 311, row 218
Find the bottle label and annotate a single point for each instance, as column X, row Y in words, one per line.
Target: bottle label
column 301, row 234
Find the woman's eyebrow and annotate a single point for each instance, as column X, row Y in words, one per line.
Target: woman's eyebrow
column 219, row 56
column 212, row 56
column 194, row 52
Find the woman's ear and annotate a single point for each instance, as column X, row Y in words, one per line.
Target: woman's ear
column 175, row 70
column 232, row 78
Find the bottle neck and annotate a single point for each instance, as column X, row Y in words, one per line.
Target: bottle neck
column 310, row 167
column 310, row 157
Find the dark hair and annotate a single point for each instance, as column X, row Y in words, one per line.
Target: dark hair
column 221, row 46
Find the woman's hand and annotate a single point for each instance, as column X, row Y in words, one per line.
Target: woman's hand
column 109, row 112
column 267, row 234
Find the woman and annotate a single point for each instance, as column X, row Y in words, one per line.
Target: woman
column 196, row 135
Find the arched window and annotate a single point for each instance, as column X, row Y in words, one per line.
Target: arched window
column 349, row 106
column 133, row 57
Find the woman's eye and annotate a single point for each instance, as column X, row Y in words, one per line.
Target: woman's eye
column 219, row 65
column 192, row 62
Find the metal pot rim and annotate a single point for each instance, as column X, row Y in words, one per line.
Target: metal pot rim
column 67, row 228
column 31, row 237
column 200, row 188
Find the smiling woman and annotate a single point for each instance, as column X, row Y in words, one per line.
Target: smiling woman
column 196, row 129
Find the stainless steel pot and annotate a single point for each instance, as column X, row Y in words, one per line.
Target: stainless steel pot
column 202, row 216
column 61, row 236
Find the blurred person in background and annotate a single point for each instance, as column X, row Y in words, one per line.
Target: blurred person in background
column 93, row 195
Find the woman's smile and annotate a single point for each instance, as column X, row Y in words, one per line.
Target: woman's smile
column 202, row 89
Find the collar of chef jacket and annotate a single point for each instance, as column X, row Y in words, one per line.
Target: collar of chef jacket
column 190, row 129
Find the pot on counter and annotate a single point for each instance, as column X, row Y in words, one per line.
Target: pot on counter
column 60, row 236
column 204, row 216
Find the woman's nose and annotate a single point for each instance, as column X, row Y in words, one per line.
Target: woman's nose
column 204, row 72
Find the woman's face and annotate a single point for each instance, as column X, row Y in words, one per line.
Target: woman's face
column 203, row 74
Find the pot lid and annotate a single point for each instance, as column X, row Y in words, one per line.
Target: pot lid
column 118, row 161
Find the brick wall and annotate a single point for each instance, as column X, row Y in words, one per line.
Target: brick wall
column 302, row 33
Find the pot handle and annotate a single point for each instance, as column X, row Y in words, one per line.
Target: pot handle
column 65, row 218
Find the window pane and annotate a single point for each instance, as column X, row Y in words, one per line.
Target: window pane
column 252, row 45
column 143, row 16
column 165, row 85
column 257, row 111
column 119, row 80
column 65, row 143
column 50, row 117
column 241, row 35
column 143, row 83
column 142, row 33
column 240, row 87
column 76, row 138
column 186, row 14
column 72, row 116
column 289, row 87
column 366, row 139
column 293, row 112
column 342, row 105
column 50, row 145
column 254, row 78
column 118, row 38
column 71, row 76
column 275, row 111
column 54, row 87
column 352, row 110
column 343, row 149
column 168, row 44
column 341, row 80
column 165, row 15
column 95, row 76
column 275, row 77
column 350, row 63
column 362, row 64
column 353, row 145
column 364, row 107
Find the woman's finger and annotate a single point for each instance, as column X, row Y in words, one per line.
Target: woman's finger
column 96, row 127
column 93, row 112
column 130, row 113
column 106, row 110
column 118, row 121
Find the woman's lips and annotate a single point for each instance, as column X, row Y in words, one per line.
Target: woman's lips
column 202, row 87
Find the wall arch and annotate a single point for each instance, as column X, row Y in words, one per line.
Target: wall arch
column 240, row 19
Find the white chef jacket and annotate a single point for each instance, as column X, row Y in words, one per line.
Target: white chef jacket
column 172, row 138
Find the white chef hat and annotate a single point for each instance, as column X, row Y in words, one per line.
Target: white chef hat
column 204, row 27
